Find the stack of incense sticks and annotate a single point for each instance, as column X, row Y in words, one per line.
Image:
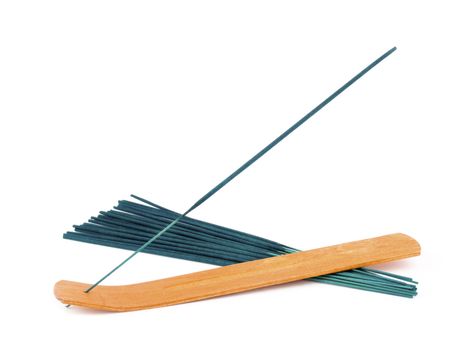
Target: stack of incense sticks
column 130, row 224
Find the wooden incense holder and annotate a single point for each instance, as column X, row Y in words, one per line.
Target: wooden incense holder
column 239, row 277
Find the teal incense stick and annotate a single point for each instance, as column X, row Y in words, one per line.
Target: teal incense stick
column 130, row 224
column 246, row 165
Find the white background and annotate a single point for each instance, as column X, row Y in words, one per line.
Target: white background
column 101, row 99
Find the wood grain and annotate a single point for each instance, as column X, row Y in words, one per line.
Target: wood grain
column 239, row 277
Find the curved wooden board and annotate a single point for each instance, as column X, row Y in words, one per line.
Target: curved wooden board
column 239, row 277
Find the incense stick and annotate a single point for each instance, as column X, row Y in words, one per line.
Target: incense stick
column 130, row 224
column 247, row 164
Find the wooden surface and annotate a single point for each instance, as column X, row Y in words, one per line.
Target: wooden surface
column 239, row 277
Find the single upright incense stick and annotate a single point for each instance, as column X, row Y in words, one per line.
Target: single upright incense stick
column 247, row 164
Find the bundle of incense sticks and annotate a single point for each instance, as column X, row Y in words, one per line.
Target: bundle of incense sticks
column 129, row 224
column 136, row 227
